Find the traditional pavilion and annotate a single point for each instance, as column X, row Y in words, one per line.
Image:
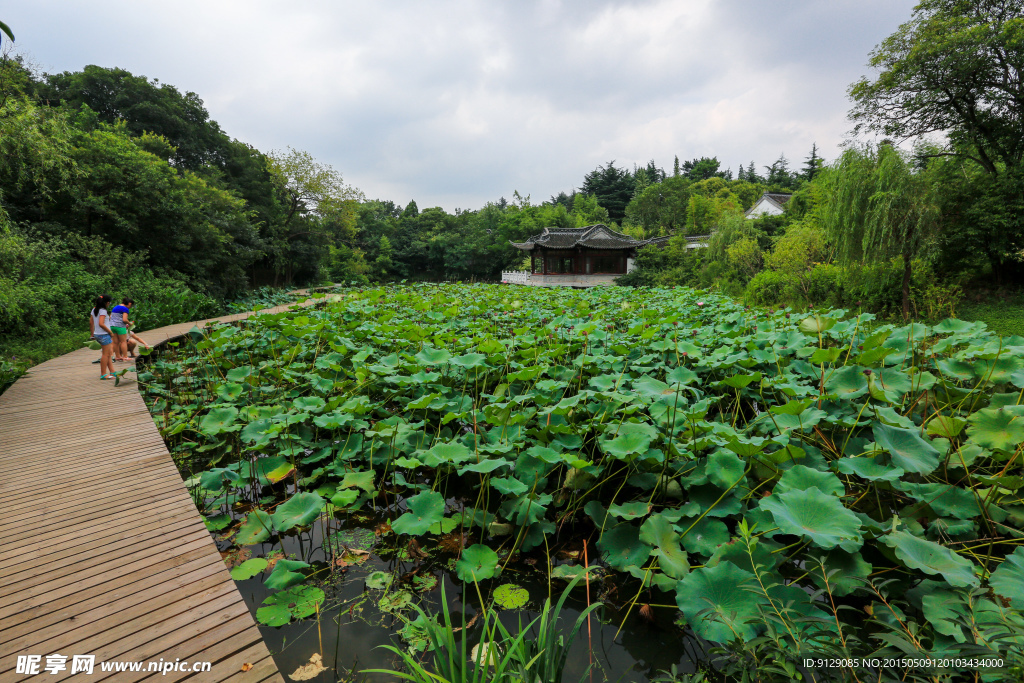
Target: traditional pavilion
column 578, row 257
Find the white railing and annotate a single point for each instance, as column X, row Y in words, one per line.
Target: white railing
column 515, row 277
column 697, row 241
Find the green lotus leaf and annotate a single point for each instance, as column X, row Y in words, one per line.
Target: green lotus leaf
column 740, row 381
column 509, row 486
column 868, row 468
column 284, row 574
column 735, row 551
column 844, row 571
column 800, row 477
column 931, row 558
column 214, row 480
column 659, row 532
column 629, row 510
column 309, row 404
column 724, row 468
column 622, row 547
column 817, row 516
column 511, row 596
column 274, row 469
column 485, row 466
column 300, row 601
column 445, row 525
column 299, row 510
column 681, row 376
column 906, row 447
column 816, row 324
column 997, row 371
column 848, row 382
column 273, row 615
column 218, row 420
column 93, row 345
column 424, row 509
column 430, row 356
column 240, row 373
column 478, row 563
column 470, row 360
column 379, row 580
column 946, row 426
column 1008, row 579
column 230, row 391
column 359, row 480
column 255, row 529
column 722, row 589
column 996, row 428
column 568, row 571
column 704, row 537
column 256, row 432
column 446, row 453
column 344, row 498
column 945, row 500
column 395, row 602
column 217, row 522
column 627, row 446
column 249, row 569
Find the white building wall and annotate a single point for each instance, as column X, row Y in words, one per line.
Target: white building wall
column 764, row 207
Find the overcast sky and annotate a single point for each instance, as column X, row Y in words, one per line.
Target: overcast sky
column 456, row 103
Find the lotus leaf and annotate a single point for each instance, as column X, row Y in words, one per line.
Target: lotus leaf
column 931, row 558
column 629, row 510
column 284, row 574
column 424, row 509
column 848, row 382
column 359, row 480
column 344, row 498
column 249, row 569
column 298, row 602
column 217, row 522
column 868, row 468
column 703, row 536
column 817, row 516
column 945, row 500
column 240, row 373
column 299, row 510
column 255, row 529
column 908, row 450
column 799, row 477
column 725, row 469
column 1008, row 579
column 395, row 602
column 722, row 590
column 511, row 596
column 622, row 547
column 379, row 580
column 996, row 428
column 845, row 572
column 219, row 419
column 478, row 563
column 659, row 532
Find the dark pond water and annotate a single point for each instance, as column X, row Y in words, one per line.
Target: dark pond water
column 352, row 627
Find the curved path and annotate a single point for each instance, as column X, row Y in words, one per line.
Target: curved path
column 102, row 551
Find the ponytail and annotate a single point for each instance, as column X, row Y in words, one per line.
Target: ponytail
column 102, row 301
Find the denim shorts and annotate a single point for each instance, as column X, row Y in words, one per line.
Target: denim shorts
column 103, row 339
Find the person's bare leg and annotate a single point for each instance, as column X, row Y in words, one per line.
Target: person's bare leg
column 106, row 365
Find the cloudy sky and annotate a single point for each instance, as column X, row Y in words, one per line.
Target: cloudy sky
column 455, row 103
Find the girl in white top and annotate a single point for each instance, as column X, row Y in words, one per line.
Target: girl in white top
column 101, row 333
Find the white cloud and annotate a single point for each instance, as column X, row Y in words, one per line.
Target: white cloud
column 455, row 103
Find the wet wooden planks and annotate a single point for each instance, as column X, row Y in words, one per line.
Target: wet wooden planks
column 103, row 551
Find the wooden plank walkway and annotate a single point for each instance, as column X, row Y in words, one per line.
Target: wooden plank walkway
column 102, row 551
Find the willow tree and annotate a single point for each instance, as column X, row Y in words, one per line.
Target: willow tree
column 877, row 206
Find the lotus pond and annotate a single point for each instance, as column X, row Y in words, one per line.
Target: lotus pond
column 745, row 489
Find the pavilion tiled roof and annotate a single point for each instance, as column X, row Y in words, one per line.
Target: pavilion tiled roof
column 593, row 236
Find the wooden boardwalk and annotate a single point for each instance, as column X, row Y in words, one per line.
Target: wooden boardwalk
column 102, row 551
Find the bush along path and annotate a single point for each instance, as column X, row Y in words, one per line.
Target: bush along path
column 799, row 486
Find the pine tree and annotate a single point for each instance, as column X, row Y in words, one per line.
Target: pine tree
column 675, row 167
column 752, row 176
column 742, row 174
column 812, row 164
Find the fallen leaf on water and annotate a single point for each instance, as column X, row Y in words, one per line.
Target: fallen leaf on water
column 309, row 671
column 246, row 666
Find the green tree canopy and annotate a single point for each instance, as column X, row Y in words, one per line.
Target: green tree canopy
column 954, row 68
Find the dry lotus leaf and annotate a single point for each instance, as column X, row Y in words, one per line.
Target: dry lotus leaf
column 308, row 672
